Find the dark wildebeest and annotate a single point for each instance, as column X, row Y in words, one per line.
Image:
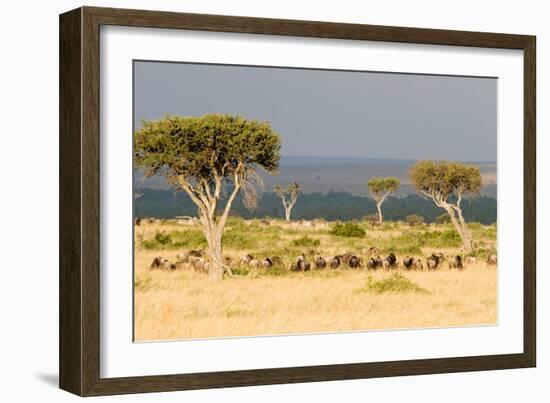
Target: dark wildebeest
column 267, row 263
column 320, row 262
column 390, row 261
column 374, row 263
column 156, row 263
column 408, row 262
column 137, row 221
column 413, row 263
column 336, row 261
column 434, row 260
column 301, row 264
column 456, row 263
column 346, row 257
column 354, row 262
column 160, row 263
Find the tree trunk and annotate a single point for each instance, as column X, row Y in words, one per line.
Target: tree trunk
column 287, row 213
column 462, row 229
column 215, row 266
column 379, row 207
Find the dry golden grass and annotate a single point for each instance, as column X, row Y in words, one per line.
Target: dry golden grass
column 183, row 304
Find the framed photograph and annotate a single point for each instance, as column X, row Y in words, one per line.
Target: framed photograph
column 249, row 201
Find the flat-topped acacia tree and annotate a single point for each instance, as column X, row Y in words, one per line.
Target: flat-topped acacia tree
column 446, row 183
column 380, row 189
column 291, row 192
column 211, row 157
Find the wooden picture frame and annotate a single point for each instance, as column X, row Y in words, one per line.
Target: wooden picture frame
column 79, row 346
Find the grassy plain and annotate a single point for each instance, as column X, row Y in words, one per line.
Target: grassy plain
column 183, row 304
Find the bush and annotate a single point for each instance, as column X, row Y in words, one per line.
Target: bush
column 443, row 219
column 395, row 283
column 348, row 230
column 440, row 239
column 306, row 241
column 414, row 219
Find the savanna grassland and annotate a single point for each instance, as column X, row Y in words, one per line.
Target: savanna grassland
column 182, row 303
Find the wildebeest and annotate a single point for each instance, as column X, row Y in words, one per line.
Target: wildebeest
column 418, row 264
column 184, row 257
column 456, row 263
column 434, row 260
column 492, row 259
column 346, row 257
column 390, row 261
column 267, row 263
column 199, row 264
column 160, row 263
column 320, row 262
column 301, row 264
column 408, row 262
column 254, row 263
column 354, row 262
column 137, row 221
column 412, row 263
column 156, row 263
column 374, row 262
column 335, row 262
column 246, row 259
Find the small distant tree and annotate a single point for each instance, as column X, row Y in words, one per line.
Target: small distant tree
column 446, row 183
column 209, row 157
column 379, row 189
column 414, row 219
column 288, row 197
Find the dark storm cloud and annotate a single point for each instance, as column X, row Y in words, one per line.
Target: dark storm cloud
column 334, row 113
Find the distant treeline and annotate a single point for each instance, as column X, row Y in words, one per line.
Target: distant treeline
column 330, row 206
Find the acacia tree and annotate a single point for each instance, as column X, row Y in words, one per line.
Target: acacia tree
column 292, row 193
column 379, row 189
column 211, row 157
column 443, row 181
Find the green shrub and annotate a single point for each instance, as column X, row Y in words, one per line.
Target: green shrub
column 439, row 239
column 306, row 241
column 394, row 284
column 348, row 230
column 414, row 219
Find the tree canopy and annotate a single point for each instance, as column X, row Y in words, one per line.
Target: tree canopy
column 205, row 147
column 382, row 185
column 441, row 179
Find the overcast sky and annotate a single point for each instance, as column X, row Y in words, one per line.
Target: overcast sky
column 333, row 113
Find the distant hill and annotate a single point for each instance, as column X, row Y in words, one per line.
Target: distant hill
column 337, row 174
column 331, row 206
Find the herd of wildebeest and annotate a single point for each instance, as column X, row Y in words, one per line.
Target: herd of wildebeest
column 369, row 259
